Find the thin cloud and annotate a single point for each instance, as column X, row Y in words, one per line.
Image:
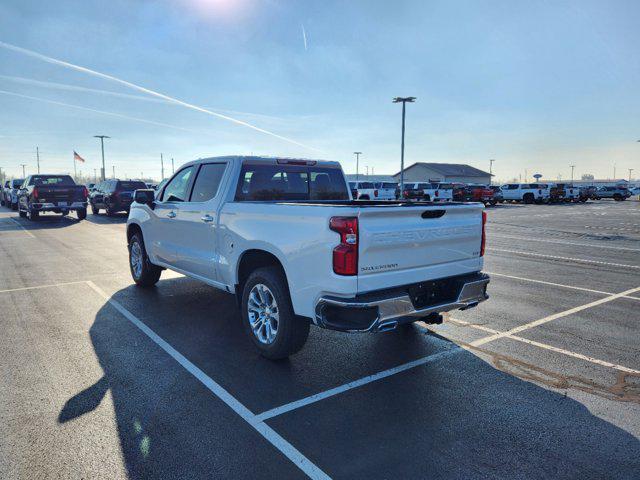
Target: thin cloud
column 112, row 114
column 304, row 37
column 139, row 88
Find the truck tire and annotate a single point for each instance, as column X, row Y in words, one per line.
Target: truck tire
column 268, row 317
column 143, row 272
column 32, row 215
column 95, row 210
column 528, row 198
column 617, row 197
column 82, row 213
column 22, row 214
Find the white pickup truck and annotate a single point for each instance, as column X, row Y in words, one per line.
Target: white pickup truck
column 526, row 192
column 286, row 238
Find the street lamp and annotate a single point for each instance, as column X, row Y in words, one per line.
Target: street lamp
column 630, row 170
column 23, row 165
column 491, row 170
column 572, row 167
column 404, row 101
column 357, row 154
column 102, row 137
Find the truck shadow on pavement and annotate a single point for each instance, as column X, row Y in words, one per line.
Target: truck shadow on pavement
column 459, row 417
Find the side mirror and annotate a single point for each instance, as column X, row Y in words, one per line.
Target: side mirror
column 145, row 197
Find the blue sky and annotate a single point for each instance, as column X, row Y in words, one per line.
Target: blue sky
column 536, row 85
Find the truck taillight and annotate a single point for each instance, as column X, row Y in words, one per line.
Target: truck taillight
column 345, row 255
column 35, row 192
column 375, row 193
column 85, row 193
column 484, row 235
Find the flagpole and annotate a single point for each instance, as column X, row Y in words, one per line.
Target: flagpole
column 75, row 175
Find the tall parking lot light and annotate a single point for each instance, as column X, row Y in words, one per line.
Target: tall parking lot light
column 404, row 101
column 102, row 137
column 572, row 167
column 630, row 170
column 357, row 154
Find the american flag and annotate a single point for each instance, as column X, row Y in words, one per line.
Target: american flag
column 77, row 157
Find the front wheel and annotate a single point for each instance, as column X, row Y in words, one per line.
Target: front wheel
column 268, row 317
column 144, row 273
column 94, row 210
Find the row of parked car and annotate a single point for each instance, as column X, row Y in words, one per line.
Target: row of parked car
column 37, row 194
column 488, row 194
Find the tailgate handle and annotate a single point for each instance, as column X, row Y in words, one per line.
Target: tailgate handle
column 433, row 213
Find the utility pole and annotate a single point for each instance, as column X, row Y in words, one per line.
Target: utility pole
column 173, row 170
column 114, row 171
column 367, row 167
column 525, row 176
column 614, row 171
column 38, row 158
column 491, row 170
column 404, row 101
column 372, row 171
column 630, row 170
column 23, row 174
column 95, row 176
column 102, row 137
column 357, row 154
column 162, row 166
column 572, row 167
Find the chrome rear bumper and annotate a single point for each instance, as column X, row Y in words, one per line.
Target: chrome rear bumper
column 386, row 310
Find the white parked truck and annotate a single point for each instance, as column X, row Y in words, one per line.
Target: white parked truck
column 526, row 192
column 286, row 238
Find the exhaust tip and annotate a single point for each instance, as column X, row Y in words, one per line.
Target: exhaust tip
column 387, row 326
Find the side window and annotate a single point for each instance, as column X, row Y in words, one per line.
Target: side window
column 207, row 182
column 177, row 189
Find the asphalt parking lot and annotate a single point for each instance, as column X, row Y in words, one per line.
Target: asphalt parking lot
column 103, row 380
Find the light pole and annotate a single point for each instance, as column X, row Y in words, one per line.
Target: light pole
column 38, row 158
column 367, row 167
column 630, row 170
column 614, row 171
column 491, row 170
column 173, row 170
column 572, row 167
column 162, row 166
column 102, row 137
column 404, row 101
column 357, row 154
column 23, row 174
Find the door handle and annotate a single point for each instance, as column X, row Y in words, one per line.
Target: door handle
column 206, row 218
column 171, row 214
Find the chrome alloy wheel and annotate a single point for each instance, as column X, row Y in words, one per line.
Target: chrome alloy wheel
column 263, row 313
column 135, row 258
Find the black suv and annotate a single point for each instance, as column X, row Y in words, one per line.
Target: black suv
column 114, row 195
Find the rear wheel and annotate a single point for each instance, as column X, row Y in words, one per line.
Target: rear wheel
column 22, row 214
column 268, row 317
column 528, row 198
column 33, row 214
column 82, row 213
column 617, row 197
column 144, row 273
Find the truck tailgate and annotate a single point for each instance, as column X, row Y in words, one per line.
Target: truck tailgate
column 57, row 194
column 404, row 245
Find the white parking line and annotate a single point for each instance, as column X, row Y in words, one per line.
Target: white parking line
column 22, row 227
column 302, row 462
column 543, row 282
column 562, row 242
column 550, row 318
column 545, row 346
column 41, row 286
column 555, row 257
column 431, row 358
column 274, row 412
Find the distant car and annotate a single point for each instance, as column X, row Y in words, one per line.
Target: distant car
column 586, row 192
column 428, row 191
column 479, row 193
column 386, row 190
column 4, row 189
column 114, row 196
column 51, row 193
column 616, row 192
column 634, row 191
column 571, row 192
column 364, row 191
column 11, row 193
column 526, row 192
column 90, row 186
column 497, row 193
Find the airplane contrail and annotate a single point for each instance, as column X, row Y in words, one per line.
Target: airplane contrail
column 76, row 88
column 304, row 37
column 95, row 73
column 103, row 112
